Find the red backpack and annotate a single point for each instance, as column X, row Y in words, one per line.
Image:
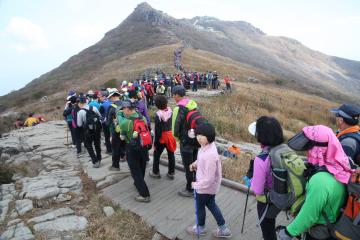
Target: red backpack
column 144, row 134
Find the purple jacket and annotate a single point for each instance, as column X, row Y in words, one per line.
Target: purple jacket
column 262, row 178
column 141, row 107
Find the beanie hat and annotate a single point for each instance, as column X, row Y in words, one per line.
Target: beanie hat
column 133, row 94
column 207, row 130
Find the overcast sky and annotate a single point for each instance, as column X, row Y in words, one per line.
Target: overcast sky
column 37, row 36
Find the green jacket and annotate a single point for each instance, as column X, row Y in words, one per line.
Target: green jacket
column 179, row 117
column 127, row 125
column 323, row 193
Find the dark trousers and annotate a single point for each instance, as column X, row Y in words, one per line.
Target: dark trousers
column 267, row 225
column 79, row 138
column 171, row 157
column 118, row 149
column 150, row 100
column 106, row 131
column 136, row 159
column 188, row 156
column 208, row 200
column 228, row 87
column 89, row 140
column 72, row 132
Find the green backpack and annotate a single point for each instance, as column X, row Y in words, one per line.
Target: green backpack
column 288, row 188
column 119, row 117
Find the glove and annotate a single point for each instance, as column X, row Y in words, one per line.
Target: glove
column 247, row 181
column 283, row 233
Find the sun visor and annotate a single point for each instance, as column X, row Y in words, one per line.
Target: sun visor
column 300, row 142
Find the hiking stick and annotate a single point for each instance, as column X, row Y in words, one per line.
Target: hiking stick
column 196, row 209
column 246, row 202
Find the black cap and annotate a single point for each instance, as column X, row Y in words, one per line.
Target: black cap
column 349, row 111
column 207, row 130
column 82, row 99
column 128, row 104
column 179, row 90
column 132, row 94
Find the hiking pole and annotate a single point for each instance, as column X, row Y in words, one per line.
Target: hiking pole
column 249, row 174
column 246, row 202
column 196, row 209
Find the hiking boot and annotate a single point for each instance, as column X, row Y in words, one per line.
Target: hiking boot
column 96, row 164
column 111, row 168
column 222, row 232
column 170, row 176
column 140, row 198
column 154, row 175
column 196, row 230
column 185, row 193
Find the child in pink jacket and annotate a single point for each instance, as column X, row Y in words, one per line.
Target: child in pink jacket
column 208, row 180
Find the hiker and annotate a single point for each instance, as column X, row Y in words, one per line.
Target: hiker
column 149, row 93
column 210, row 79
column 188, row 149
column 117, row 145
column 31, row 121
column 227, row 81
column 135, row 97
column 18, row 124
column 160, row 89
column 328, row 171
column 104, row 109
column 163, row 138
column 79, row 133
column 268, row 133
column 347, row 121
column 136, row 154
column 95, row 100
column 89, row 119
column 70, row 104
column 207, row 183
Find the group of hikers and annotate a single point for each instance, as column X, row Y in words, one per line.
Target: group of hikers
column 313, row 190
column 321, row 192
column 190, row 80
column 31, row 120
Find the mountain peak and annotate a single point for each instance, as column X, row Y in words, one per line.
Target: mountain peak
column 144, row 6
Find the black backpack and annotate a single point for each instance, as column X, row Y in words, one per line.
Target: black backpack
column 93, row 121
column 356, row 136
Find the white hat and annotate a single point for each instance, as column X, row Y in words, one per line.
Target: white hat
column 252, row 128
column 113, row 91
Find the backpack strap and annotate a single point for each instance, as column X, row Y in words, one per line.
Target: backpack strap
column 329, row 225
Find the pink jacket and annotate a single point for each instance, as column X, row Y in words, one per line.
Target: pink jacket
column 208, row 174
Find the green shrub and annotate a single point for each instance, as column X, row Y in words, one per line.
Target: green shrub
column 112, row 83
column 6, row 174
column 38, row 95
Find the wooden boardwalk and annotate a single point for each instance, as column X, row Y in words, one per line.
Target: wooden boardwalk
column 170, row 213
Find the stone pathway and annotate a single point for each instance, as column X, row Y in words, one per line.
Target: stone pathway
column 42, row 202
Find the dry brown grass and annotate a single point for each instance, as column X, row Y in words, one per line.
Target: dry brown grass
column 235, row 169
column 231, row 114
